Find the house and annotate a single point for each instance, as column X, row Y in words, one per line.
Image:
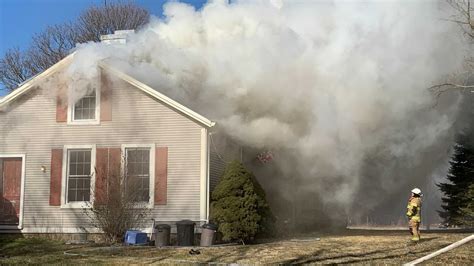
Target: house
column 55, row 157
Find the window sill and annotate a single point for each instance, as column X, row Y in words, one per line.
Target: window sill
column 77, row 205
column 83, row 123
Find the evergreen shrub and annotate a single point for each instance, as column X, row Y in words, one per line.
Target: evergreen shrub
column 239, row 207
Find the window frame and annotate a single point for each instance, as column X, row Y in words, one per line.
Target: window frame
column 151, row 201
column 64, row 179
column 70, row 112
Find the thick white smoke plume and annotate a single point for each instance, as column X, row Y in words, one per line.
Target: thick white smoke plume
column 337, row 89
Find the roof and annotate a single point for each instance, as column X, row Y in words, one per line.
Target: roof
column 29, row 84
column 159, row 96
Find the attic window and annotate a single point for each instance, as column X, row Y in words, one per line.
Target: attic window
column 86, row 111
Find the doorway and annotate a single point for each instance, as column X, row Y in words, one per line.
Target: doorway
column 11, row 177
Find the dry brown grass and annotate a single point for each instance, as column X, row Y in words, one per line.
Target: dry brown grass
column 380, row 247
column 460, row 256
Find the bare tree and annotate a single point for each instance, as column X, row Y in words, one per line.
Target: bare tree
column 55, row 42
column 97, row 21
column 50, row 46
column 464, row 17
column 118, row 207
column 14, row 69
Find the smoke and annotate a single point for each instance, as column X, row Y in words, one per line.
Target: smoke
column 336, row 89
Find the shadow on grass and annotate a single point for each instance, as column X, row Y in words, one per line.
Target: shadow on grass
column 304, row 259
column 422, row 240
column 315, row 257
column 392, row 256
column 18, row 245
column 236, row 254
column 348, row 258
column 7, row 238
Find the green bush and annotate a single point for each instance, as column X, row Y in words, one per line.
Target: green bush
column 239, row 207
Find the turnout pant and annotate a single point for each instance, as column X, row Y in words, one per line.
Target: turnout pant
column 414, row 229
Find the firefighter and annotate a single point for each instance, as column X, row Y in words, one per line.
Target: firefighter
column 414, row 213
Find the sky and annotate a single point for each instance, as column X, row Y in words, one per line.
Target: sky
column 20, row 20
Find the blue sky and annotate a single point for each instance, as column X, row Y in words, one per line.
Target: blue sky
column 21, row 19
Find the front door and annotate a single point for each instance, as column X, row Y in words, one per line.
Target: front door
column 10, row 188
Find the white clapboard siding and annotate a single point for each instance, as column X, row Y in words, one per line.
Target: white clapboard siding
column 29, row 127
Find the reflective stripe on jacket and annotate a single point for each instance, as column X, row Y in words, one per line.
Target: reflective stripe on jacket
column 414, row 209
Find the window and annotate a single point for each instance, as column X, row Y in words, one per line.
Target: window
column 79, row 175
column 139, row 172
column 85, row 111
column 78, row 178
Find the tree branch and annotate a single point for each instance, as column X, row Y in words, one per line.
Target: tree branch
column 442, row 88
column 55, row 42
column 453, row 85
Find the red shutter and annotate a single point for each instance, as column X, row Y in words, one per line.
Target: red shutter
column 101, row 169
column 56, row 176
column 161, row 175
column 107, row 173
column 105, row 99
column 61, row 109
column 115, row 159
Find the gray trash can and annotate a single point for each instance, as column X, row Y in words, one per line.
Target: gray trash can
column 207, row 235
column 185, row 232
column 162, row 237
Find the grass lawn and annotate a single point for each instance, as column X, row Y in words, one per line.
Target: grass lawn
column 349, row 247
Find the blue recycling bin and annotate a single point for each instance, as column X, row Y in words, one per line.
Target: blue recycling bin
column 135, row 237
